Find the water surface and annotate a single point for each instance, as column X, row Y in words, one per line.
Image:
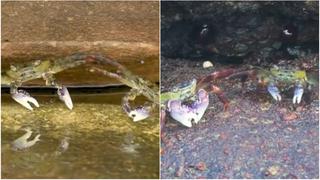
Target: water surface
column 103, row 141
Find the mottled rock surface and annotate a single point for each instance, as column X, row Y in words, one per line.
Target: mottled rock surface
column 125, row 31
column 256, row 138
column 237, row 31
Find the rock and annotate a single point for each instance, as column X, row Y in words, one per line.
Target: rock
column 289, row 116
column 273, row 170
column 241, row 47
column 236, row 29
column 276, row 45
column 201, row 166
column 57, row 29
column 207, row 64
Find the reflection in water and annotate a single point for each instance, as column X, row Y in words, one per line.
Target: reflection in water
column 23, row 143
column 95, row 140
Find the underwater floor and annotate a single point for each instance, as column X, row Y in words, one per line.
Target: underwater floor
column 102, row 142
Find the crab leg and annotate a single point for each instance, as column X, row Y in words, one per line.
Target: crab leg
column 216, row 90
column 22, row 97
column 62, row 91
column 274, row 91
column 137, row 114
column 204, row 81
column 298, row 92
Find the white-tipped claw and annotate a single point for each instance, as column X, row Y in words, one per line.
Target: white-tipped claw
column 181, row 113
column 200, row 106
column 274, row 91
column 65, row 97
column 298, row 92
column 23, row 98
column 139, row 114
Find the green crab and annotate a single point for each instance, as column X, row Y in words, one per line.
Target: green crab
column 46, row 69
column 274, row 78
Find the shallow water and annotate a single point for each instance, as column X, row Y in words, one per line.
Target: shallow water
column 103, row 141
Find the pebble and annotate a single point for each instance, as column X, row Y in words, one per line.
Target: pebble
column 18, row 116
column 273, row 170
column 207, row 64
column 201, row 166
column 290, row 116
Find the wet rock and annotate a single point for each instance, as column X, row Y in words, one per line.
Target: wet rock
column 256, row 136
column 276, row 45
column 51, row 29
column 272, row 171
column 289, row 116
column 241, row 47
column 296, row 51
column 201, row 166
column 237, row 29
column 180, row 169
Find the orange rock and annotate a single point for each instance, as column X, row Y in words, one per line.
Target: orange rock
column 290, row 116
column 201, row 166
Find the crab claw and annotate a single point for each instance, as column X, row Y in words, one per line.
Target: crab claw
column 25, row 99
column 65, row 96
column 139, row 114
column 200, row 106
column 274, row 91
column 185, row 114
column 298, row 92
column 180, row 113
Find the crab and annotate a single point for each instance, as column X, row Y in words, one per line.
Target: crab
column 276, row 80
column 187, row 102
column 46, row 69
column 173, row 102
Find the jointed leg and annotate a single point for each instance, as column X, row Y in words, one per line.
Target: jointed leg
column 274, row 91
column 216, row 90
column 205, row 81
column 62, row 90
column 298, row 92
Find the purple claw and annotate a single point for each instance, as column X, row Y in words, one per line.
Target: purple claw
column 274, row 91
column 25, row 99
column 200, row 105
column 139, row 114
column 186, row 113
column 298, row 92
column 180, row 112
column 65, row 96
